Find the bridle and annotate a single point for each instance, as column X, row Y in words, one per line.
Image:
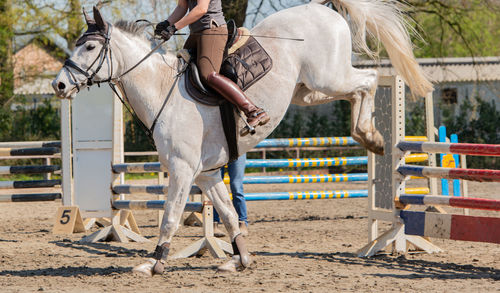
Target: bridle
column 114, row 81
column 105, row 50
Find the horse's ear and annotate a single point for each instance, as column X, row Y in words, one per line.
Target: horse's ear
column 101, row 24
column 88, row 20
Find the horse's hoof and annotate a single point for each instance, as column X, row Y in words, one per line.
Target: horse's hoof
column 378, row 145
column 378, row 150
column 231, row 266
column 234, row 264
column 158, row 268
column 228, row 267
column 145, row 269
column 245, row 260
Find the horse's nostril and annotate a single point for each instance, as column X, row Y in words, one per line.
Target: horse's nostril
column 61, row 86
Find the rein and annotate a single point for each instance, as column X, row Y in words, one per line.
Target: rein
column 114, row 81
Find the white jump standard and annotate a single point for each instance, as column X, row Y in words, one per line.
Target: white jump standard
column 387, row 176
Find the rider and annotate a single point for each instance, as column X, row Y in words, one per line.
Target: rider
column 209, row 36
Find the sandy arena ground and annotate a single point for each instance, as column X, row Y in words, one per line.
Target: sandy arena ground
column 305, row 246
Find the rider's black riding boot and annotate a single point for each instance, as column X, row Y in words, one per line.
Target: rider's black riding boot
column 232, row 92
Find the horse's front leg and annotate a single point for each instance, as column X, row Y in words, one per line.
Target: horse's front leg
column 180, row 181
column 212, row 185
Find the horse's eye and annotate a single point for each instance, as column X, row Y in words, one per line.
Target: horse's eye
column 90, row 47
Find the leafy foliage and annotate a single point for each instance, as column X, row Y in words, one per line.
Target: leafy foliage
column 6, row 69
column 41, row 122
column 457, row 28
column 415, row 119
column 478, row 122
column 315, row 121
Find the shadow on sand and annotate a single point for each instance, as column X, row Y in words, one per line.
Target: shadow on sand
column 415, row 268
column 68, row 271
column 103, row 249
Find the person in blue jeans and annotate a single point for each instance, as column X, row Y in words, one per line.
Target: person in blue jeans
column 236, row 172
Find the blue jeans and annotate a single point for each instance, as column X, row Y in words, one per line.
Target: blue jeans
column 236, row 171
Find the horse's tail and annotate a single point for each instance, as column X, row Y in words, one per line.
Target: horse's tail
column 384, row 21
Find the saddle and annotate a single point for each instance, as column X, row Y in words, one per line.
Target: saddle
column 245, row 62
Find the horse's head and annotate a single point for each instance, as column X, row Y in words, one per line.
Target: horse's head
column 91, row 60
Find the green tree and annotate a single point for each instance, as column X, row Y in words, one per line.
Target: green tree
column 297, row 128
column 454, row 28
column 235, row 9
column 6, row 67
column 40, row 122
column 284, row 128
column 415, row 119
column 63, row 19
column 341, row 122
column 317, row 125
column 476, row 122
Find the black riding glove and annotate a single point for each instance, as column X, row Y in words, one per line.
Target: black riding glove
column 165, row 30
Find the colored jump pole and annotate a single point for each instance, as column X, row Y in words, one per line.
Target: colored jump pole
column 318, row 141
column 451, row 148
column 458, row 202
column 451, row 173
column 47, row 151
column 29, row 184
column 5, row 170
column 456, row 158
column 444, row 182
column 303, row 178
column 30, row 144
column 303, row 142
column 147, row 189
column 29, row 197
column 153, row 205
column 269, row 163
column 304, row 195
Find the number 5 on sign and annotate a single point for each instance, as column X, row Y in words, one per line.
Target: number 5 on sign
column 68, row 221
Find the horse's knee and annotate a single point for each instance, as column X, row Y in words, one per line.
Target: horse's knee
column 168, row 226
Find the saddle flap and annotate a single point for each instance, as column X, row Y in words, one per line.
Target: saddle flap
column 197, row 91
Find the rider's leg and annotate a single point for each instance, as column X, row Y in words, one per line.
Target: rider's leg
column 211, row 46
column 232, row 92
column 236, row 172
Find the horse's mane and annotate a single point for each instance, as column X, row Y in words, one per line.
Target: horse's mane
column 132, row 27
column 137, row 29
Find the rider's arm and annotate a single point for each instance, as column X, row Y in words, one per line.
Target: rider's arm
column 196, row 13
column 179, row 11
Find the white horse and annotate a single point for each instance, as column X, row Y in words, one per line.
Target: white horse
column 189, row 136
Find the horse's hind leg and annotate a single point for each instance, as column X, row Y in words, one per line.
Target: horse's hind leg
column 365, row 126
column 212, row 185
column 358, row 87
column 305, row 97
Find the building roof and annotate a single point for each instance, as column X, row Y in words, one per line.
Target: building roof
column 441, row 70
column 51, row 41
column 37, row 59
column 35, row 65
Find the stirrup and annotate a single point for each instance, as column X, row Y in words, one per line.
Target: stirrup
column 248, row 128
